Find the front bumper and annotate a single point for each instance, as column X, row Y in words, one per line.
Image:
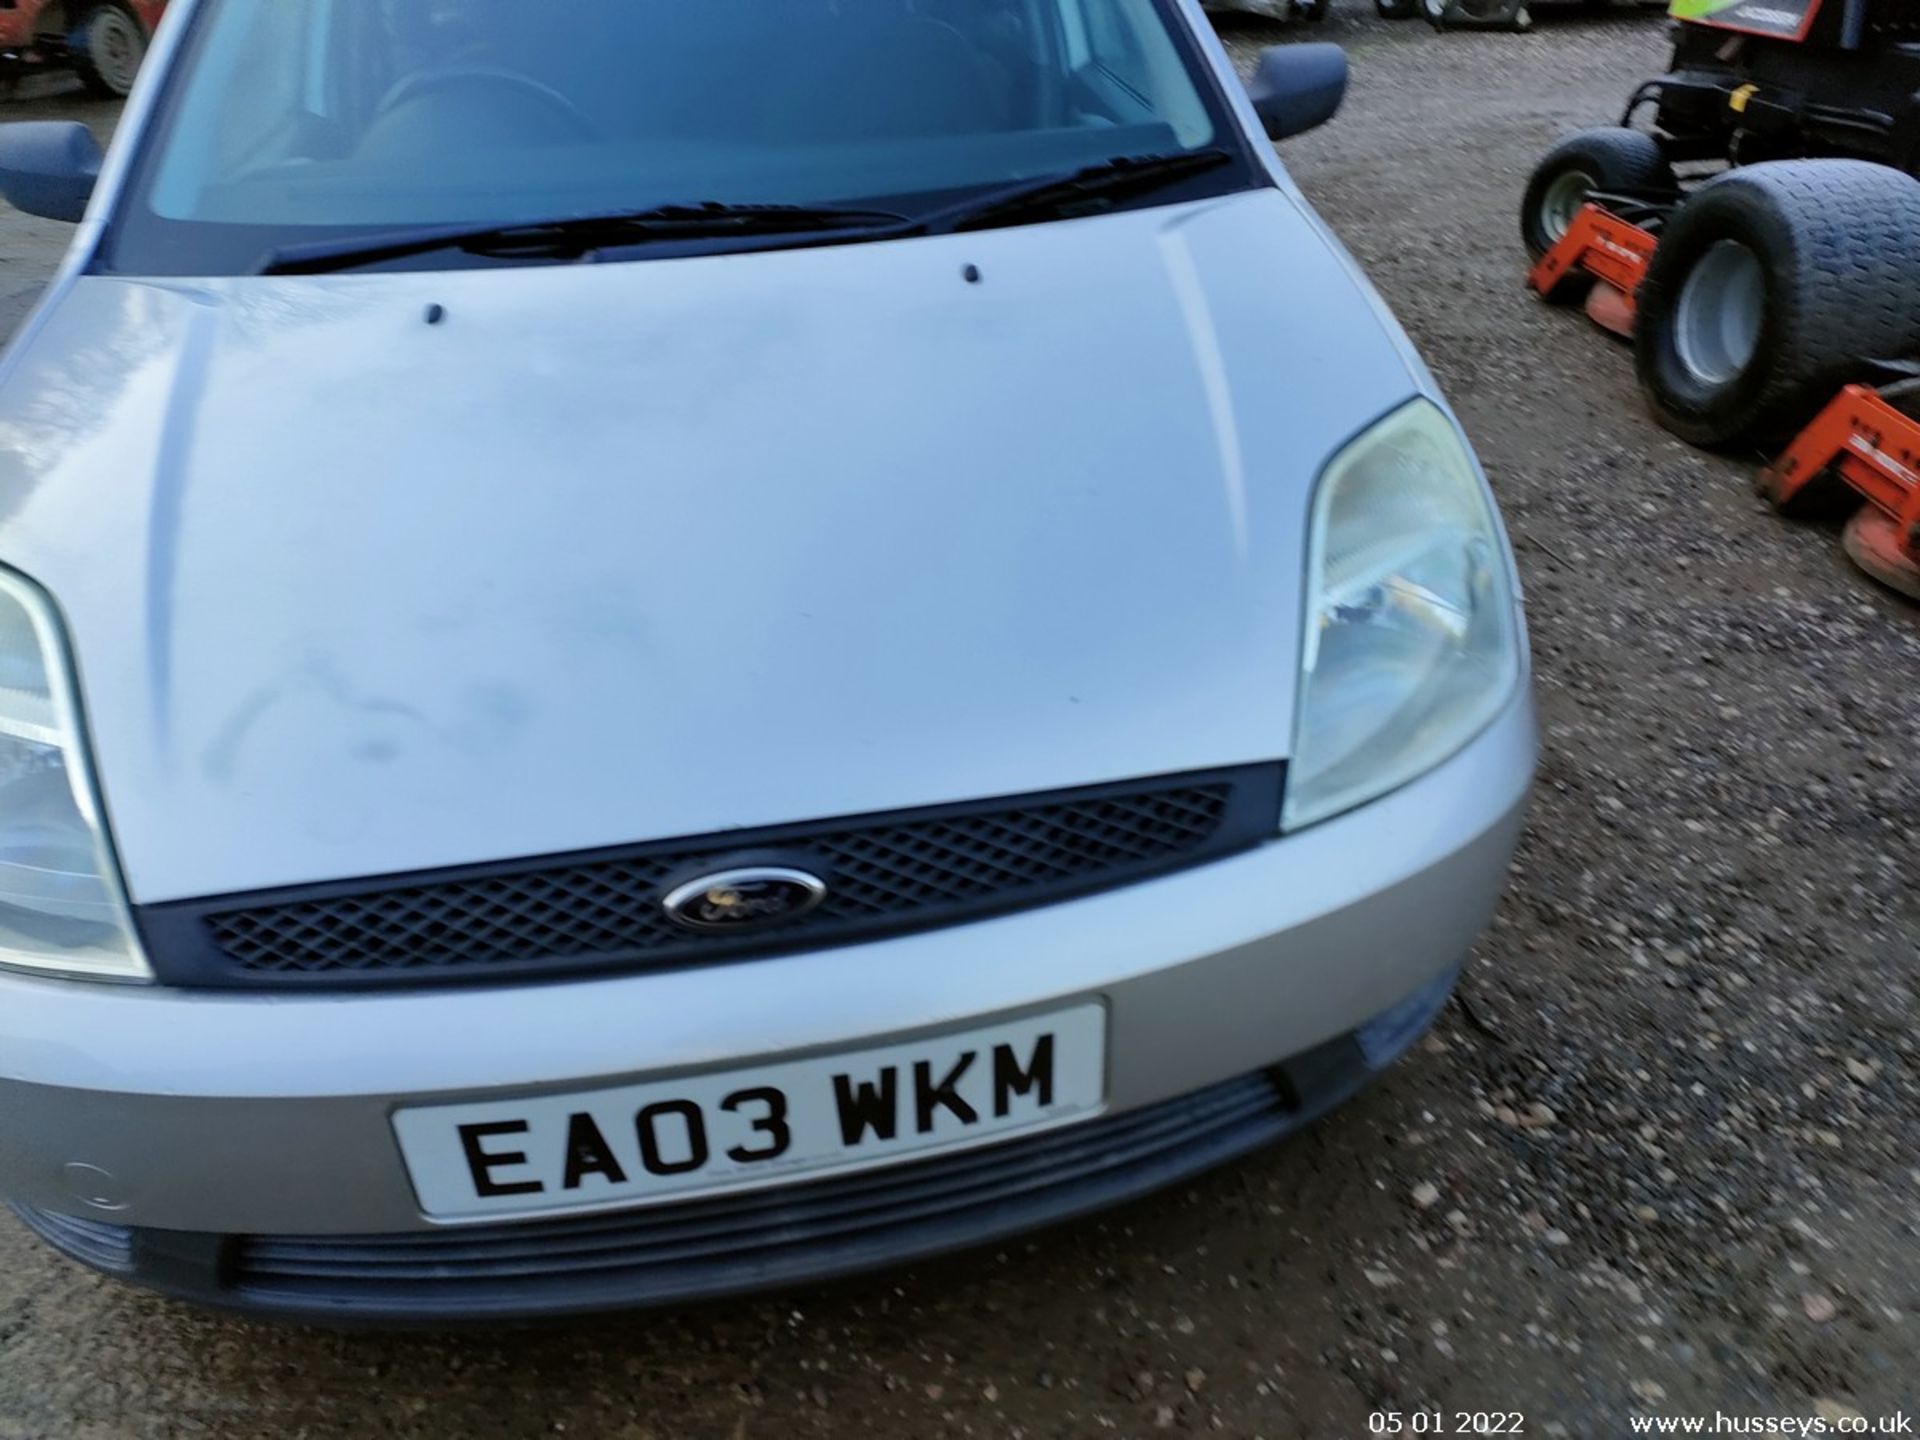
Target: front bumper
column 705, row 1249
column 261, row 1115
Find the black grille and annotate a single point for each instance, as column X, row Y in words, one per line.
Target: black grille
column 884, row 873
column 95, row 1242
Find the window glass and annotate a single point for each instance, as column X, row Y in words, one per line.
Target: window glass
column 291, row 120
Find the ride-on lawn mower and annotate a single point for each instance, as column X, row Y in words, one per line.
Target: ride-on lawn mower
column 1760, row 243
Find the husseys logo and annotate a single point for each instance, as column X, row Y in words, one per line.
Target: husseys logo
column 751, row 898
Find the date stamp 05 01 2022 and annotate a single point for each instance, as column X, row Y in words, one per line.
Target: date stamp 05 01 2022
column 1447, row 1422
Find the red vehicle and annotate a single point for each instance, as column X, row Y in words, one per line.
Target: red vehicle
column 103, row 40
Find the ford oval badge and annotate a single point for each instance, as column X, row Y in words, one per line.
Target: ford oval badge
column 752, row 898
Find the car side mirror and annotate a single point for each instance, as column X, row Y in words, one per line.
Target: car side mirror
column 1297, row 88
column 48, row 167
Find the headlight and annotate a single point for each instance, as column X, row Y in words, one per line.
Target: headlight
column 62, row 908
column 1411, row 644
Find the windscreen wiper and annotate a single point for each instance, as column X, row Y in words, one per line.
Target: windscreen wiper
column 573, row 237
column 1077, row 191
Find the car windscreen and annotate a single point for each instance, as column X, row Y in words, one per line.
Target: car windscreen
column 293, row 121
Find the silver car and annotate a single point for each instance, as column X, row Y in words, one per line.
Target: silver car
column 653, row 650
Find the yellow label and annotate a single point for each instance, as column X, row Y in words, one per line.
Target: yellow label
column 1737, row 102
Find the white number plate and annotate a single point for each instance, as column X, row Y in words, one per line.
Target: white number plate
column 733, row 1130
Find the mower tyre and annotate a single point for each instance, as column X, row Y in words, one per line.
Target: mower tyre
column 1609, row 161
column 1774, row 286
column 108, row 45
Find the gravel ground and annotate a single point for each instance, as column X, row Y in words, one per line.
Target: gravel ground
column 1662, row 1158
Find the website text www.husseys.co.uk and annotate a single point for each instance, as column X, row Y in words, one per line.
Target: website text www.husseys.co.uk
column 1801, row 1426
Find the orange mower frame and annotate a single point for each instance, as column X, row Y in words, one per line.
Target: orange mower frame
column 1863, row 440
column 1612, row 252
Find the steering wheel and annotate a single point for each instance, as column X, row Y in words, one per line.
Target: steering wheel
column 423, row 83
